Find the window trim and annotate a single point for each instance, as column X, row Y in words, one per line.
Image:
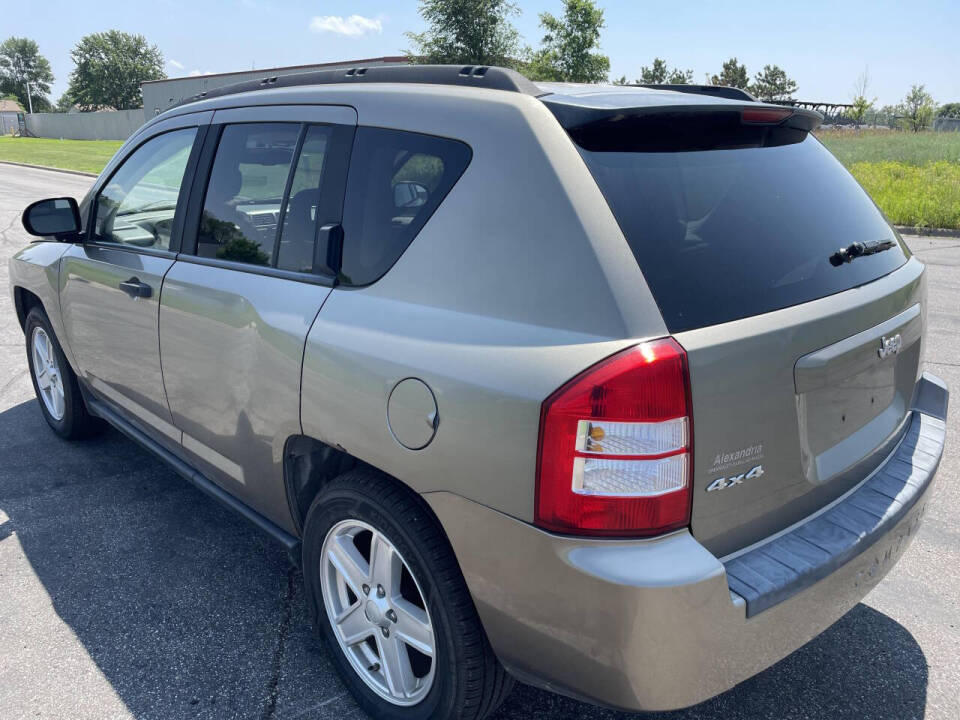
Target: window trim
column 303, row 115
column 183, row 194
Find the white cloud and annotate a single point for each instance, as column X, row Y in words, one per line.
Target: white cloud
column 197, row 73
column 352, row 26
column 174, row 63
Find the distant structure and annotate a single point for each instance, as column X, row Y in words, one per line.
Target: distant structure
column 158, row 95
column 10, row 113
column 946, row 124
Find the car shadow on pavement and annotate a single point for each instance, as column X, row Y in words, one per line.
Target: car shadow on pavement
column 189, row 612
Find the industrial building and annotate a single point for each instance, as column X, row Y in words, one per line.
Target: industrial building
column 158, row 95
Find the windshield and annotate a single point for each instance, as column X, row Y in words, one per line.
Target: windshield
column 726, row 234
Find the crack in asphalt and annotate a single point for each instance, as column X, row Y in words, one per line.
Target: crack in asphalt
column 270, row 709
column 9, row 383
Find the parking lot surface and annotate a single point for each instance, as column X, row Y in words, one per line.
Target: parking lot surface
column 126, row 593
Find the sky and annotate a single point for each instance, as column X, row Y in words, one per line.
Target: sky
column 824, row 46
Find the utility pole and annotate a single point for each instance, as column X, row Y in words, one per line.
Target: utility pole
column 29, row 99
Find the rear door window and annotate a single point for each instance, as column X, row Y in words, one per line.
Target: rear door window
column 396, row 181
column 242, row 205
column 729, row 233
column 272, row 186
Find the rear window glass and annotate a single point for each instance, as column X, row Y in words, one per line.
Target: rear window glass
column 726, row 234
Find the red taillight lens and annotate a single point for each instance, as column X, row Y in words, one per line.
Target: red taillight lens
column 765, row 116
column 615, row 446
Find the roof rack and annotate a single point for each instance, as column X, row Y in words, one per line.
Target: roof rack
column 723, row 91
column 479, row 76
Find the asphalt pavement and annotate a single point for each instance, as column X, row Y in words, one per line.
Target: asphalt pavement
column 126, row 593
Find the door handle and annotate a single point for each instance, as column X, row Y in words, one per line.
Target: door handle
column 136, row 289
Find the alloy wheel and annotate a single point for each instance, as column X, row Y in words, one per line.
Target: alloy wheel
column 46, row 371
column 378, row 612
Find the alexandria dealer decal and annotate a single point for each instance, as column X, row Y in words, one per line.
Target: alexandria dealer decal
column 727, row 460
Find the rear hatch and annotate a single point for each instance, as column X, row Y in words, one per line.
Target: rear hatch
column 797, row 303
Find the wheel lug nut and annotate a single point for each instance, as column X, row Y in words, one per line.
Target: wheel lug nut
column 391, row 616
column 386, row 632
column 366, row 589
column 381, row 592
column 374, row 668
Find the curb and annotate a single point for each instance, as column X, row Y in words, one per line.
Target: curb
column 51, row 169
column 930, row 232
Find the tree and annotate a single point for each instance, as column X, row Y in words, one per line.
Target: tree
column 22, row 63
column 622, row 80
column 861, row 105
column 949, row 110
column 466, row 32
column 918, row 108
column 65, row 103
column 734, row 74
column 109, row 69
column 658, row 74
column 567, row 47
column 773, row 85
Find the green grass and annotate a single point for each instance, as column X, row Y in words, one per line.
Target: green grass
column 913, row 177
column 909, row 148
column 924, row 196
column 85, row 155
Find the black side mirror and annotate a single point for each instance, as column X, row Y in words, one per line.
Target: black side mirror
column 59, row 217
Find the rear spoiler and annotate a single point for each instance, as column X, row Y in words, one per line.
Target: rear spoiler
column 678, row 126
column 724, row 91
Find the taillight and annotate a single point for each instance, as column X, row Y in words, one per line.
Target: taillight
column 615, row 446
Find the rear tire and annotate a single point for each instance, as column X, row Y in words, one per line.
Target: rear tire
column 54, row 382
column 358, row 511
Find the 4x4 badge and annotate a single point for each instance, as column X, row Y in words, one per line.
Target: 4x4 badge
column 889, row 346
column 723, row 483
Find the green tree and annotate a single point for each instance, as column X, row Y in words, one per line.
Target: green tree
column 567, row 47
column 734, row 74
column 861, row 105
column 949, row 110
column 64, row 104
column 22, row 63
column 109, row 69
column 658, row 74
column 467, row 32
column 773, row 85
column 918, row 108
column 622, row 80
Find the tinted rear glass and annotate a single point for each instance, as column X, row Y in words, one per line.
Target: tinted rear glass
column 726, row 234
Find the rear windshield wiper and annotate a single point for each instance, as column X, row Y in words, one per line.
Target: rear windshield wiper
column 857, row 249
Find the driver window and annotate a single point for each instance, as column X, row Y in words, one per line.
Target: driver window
column 138, row 205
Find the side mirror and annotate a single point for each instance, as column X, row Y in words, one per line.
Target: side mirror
column 59, row 217
column 409, row 194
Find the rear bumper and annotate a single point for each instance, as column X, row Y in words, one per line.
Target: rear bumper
column 661, row 624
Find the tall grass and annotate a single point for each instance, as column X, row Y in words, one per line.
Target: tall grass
column 913, row 177
column 924, row 196
column 909, row 148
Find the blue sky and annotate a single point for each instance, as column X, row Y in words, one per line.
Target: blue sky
column 824, row 46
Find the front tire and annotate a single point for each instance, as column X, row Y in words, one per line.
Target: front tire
column 56, row 386
column 388, row 598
